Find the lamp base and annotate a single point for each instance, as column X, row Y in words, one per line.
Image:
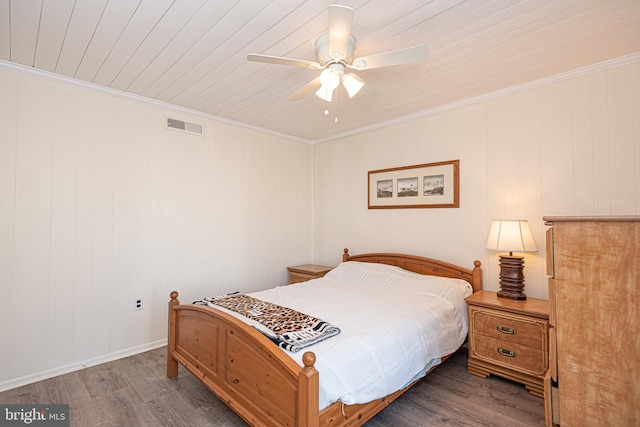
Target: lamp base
column 512, row 277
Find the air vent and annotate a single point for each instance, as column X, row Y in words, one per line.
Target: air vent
column 184, row 126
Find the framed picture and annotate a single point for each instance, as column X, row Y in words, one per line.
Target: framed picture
column 432, row 185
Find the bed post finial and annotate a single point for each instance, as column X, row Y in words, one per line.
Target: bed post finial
column 477, row 276
column 308, row 359
column 345, row 255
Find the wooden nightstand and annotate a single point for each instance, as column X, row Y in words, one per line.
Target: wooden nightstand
column 509, row 338
column 302, row 273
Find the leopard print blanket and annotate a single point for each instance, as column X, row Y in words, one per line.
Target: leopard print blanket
column 289, row 328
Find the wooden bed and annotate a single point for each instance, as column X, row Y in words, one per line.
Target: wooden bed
column 256, row 378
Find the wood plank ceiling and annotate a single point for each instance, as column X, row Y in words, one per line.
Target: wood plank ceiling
column 192, row 53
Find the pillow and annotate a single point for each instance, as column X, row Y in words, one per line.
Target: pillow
column 377, row 275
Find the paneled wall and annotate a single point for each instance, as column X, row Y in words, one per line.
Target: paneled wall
column 567, row 148
column 100, row 204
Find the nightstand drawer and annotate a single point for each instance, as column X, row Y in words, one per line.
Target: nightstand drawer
column 512, row 328
column 520, row 357
column 300, row 277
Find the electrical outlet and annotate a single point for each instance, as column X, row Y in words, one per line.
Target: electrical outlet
column 137, row 303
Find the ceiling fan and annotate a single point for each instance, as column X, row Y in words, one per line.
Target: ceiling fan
column 335, row 51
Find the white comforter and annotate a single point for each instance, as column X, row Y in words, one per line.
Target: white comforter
column 394, row 325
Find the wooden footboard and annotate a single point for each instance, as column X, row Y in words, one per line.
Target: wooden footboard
column 252, row 375
column 242, row 367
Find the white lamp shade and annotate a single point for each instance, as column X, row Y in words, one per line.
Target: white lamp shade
column 511, row 236
column 324, row 93
column 352, row 84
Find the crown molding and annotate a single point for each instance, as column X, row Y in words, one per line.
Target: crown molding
column 534, row 84
column 590, row 69
column 46, row 75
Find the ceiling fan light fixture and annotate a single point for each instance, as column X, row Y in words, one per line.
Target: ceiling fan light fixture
column 330, row 78
column 324, row 93
column 352, row 84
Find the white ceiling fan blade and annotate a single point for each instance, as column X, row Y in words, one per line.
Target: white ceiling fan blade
column 310, row 87
column 394, row 57
column 284, row 61
column 340, row 20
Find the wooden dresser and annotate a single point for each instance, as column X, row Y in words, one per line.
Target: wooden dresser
column 593, row 265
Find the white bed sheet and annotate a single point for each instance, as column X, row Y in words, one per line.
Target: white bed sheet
column 394, row 325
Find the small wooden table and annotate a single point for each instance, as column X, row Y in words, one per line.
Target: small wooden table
column 302, row 273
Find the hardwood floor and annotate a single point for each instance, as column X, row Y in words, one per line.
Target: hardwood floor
column 136, row 392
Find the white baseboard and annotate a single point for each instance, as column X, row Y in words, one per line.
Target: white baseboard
column 50, row 373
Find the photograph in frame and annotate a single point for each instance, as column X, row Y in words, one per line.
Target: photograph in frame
column 429, row 185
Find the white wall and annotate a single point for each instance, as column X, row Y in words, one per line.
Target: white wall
column 568, row 148
column 99, row 204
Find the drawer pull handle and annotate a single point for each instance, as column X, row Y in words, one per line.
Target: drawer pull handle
column 505, row 352
column 506, row 330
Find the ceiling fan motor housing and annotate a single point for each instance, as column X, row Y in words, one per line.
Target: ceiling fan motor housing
column 324, row 56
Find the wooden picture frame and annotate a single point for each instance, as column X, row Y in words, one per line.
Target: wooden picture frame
column 431, row 185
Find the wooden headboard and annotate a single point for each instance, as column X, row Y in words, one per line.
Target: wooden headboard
column 423, row 265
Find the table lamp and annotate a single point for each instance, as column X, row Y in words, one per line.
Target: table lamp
column 511, row 236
